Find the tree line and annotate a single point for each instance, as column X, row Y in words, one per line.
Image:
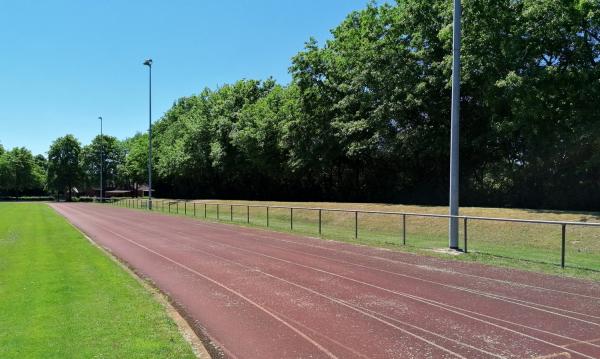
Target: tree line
column 366, row 115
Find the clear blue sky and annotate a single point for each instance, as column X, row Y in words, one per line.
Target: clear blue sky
column 64, row 63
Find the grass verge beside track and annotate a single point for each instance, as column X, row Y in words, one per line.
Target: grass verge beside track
column 61, row 297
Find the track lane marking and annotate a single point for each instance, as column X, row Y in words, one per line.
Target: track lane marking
column 248, row 231
column 265, row 310
column 225, row 225
column 233, row 291
column 294, row 284
column 474, row 291
column 484, row 294
column 261, row 307
column 416, row 298
column 584, row 342
column 420, row 299
column 455, row 308
column 555, row 355
column 469, row 290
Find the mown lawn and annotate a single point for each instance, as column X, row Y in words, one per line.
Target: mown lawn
column 61, row 297
column 526, row 246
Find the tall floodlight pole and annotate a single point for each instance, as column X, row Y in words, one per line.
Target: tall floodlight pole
column 149, row 64
column 101, row 160
column 454, row 127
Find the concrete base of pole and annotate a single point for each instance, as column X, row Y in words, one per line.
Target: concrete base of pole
column 448, row 251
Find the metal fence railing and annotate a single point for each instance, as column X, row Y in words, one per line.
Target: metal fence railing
column 397, row 227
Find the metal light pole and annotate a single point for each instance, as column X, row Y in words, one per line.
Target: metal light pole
column 454, row 127
column 149, row 64
column 101, row 160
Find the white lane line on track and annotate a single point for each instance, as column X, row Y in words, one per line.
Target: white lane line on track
column 416, row 298
column 474, row 291
column 211, row 224
column 430, row 302
column 469, row 290
column 325, row 337
column 450, row 286
column 225, row 225
column 310, row 290
column 233, row 291
column 63, row 212
column 410, row 296
column 264, row 309
column 584, row 342
column 555, row 356
column 357, row 308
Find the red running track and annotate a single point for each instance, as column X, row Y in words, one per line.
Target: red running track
column 261, row 294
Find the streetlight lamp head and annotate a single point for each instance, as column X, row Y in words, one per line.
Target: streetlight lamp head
column 100, row 117
column 148, row 62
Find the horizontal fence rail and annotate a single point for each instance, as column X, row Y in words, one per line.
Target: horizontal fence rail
column 200, row 209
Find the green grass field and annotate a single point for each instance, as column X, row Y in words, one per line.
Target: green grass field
column 61, row 297
column 525, row 246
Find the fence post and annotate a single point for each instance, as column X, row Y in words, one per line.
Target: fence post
column 465, row 249
column 563, row 245
column 403, row 229
column 205, row 210
column 291, row 219
column 177, row 207
column 247, row 214
column 267, row 216
column 355, row 224
column 217, row 211
column 319, row 221
column 169, row 207
column 231, row 213
column 185, row 208
column 194, row 209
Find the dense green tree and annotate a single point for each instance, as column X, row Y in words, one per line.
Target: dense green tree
column 366, row 115
column 112, row 152
column 64, row 167
column 133, row 170
column 21, row 173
